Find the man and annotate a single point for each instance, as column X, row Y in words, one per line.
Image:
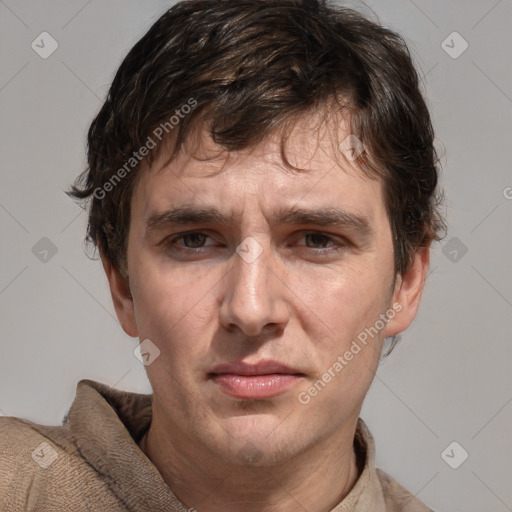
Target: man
column 262, row 189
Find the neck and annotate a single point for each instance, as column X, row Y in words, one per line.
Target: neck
column 317, row 480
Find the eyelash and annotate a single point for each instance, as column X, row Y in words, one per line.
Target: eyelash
column 169, row 243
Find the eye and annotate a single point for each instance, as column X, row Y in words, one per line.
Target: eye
column 192, row 241
column 321, row 243
column 317, row 239
column 197, row 242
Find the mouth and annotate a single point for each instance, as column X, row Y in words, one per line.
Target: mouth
column 265, row 379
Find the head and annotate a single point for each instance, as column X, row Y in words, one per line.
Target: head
column 291, row 138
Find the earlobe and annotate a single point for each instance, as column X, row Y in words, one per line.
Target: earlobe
column 408, row 290
column 121, row 297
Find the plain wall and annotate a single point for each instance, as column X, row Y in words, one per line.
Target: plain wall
column 448, row 380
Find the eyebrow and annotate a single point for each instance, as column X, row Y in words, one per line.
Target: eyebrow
column 325, row 217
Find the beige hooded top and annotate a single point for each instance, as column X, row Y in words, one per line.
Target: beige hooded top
column 93, row 462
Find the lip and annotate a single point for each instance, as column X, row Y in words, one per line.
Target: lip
column 265, row 379
column 259, row 368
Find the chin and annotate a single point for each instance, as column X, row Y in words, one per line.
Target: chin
column 264, row 454
column 262, row 442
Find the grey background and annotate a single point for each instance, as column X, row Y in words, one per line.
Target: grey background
column 449, row 379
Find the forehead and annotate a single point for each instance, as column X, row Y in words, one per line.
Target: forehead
column 205, row 174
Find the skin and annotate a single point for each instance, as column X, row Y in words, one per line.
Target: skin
column 292, row 304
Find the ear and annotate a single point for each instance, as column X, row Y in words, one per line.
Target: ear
column 121, row 297
column 408, row 290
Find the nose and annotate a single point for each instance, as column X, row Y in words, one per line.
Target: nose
column 255, row 295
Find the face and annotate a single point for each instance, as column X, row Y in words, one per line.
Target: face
column 257, row 285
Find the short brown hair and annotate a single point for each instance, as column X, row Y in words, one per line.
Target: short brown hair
column 251, row 67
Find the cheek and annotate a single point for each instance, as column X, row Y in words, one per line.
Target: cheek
column 173, row 306
column 341, row 302
column 343, row 343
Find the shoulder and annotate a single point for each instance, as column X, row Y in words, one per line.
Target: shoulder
column 26, row 448
column 16, row 430
column 34, row 459
column 397, row 498
column 20, row 438
column 19, row 441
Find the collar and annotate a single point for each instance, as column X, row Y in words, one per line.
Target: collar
column 107, row 424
